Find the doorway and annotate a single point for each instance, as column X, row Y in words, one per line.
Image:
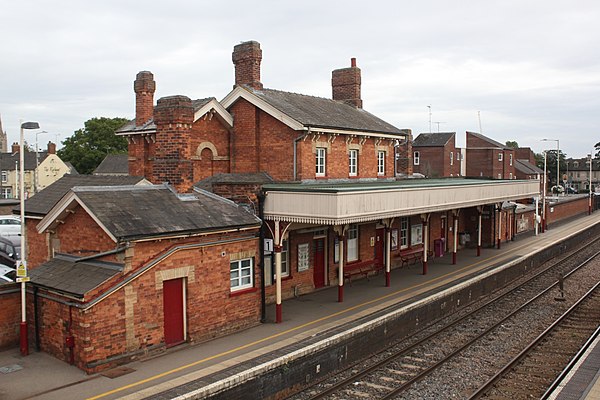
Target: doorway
column 319, row 263
column 174, row 311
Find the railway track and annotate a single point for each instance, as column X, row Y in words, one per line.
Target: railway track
column 416, row 370
column 534, row 369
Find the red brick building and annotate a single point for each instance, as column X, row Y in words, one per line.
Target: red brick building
column 435, row 155
column 164, row 269
column 257, row 144
column 489, row 159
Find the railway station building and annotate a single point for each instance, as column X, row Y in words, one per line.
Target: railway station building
column 256, row 198
column 321, row 173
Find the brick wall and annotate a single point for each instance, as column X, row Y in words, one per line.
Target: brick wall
column 209, row 148
column 566, row 209
column 10, row 317
column 77, row 226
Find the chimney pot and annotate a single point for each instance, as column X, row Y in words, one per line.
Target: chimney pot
column 345, row 84
column 15, row 148
column 246, row 57
column 51, row 148
column 144, row 87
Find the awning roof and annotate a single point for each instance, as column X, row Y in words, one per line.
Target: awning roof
column 344, row 203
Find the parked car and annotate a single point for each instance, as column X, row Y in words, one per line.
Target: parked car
column 10, row 225
column 10, row 250
column 7, row 274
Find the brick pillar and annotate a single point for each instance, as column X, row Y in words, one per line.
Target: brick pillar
column 345, row 84
column 247, row 57
column 173, row 117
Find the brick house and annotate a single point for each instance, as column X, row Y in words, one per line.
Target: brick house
column 489, row 159
column 165, row 268
column 578, row 173
column 525, row 164
column 435, row 155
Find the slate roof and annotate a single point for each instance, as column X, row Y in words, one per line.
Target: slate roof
column 68, row 275
column 134, row 212
column 113, row 164
column 42, row 202
column 258, row 178
column 320, row 112
column 8, row 161
column 527, row 168
column 492, row 142
column 150, row 126
column 438, row 139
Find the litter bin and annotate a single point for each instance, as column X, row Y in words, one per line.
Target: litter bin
column 438, row 247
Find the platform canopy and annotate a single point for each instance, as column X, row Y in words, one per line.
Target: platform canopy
column 339, row 203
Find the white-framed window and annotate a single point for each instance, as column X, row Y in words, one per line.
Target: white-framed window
column 416, row 158
column 6, row 193
column 510, row 158
column 352, row 243
column 4, row 176
column 320, row 161
column 451, row 158
column 381, row 163
column 403, row 232
column 241, row 274
column 353, row 162
column 285, row 258
column 499, row 156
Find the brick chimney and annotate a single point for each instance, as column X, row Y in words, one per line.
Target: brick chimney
column 15, row 148
column 345, row 84
column 51, row 148
column 246, row 58
column 144, row 87
column 173, row 116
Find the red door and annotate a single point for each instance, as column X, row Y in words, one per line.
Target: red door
column 379, row 248
column 173, row 311
column 319, row 264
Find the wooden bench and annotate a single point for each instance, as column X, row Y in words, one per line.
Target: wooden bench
column 414, row 255
column 360, row 268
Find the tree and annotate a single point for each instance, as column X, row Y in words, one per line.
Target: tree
column 551, row 164
column 512, row 144
column 88, row 146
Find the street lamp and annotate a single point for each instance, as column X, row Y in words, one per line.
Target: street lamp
column 590, row 185
column 544, row 196
column 22, row 264
column 557, row 160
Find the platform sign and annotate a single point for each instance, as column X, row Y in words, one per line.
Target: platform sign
column 21, row 269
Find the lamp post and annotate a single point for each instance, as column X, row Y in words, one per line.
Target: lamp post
column 22, row 264
column 557, row 160
column 590, row 186
column 544, row 196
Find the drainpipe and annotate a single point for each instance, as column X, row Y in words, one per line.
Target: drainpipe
column 296, row 152
column 261, row 249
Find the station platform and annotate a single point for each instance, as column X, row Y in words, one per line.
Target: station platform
column 40, row 376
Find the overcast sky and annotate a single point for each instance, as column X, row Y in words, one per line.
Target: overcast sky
column 530, row 68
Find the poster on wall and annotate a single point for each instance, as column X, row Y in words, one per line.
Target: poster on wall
column 394, row 243
column 302, row 257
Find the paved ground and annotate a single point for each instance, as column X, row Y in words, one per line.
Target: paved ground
column 40, row 376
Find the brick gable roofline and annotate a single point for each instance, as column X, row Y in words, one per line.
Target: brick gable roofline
column 242, row 92
column 492, row 142
column 202, row 107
